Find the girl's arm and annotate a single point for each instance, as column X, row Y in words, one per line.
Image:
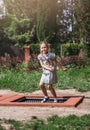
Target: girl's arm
column 46, row 67
column 59, row 65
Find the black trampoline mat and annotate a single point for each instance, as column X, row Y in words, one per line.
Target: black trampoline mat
column 27, row 99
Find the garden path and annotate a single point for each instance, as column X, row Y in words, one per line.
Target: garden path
column 26, row 113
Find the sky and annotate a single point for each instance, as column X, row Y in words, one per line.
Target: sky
column 3, row 12
column 1, row 1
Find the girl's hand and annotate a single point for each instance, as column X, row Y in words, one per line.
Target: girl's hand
column 52, row 69
column 64, row 69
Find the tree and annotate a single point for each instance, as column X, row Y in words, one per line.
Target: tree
column 65, row 19
column 20, row 8
column 41, row 19
column 19, row 31
column 46, row 19
column 82, row 16
column 42, row 14
column 54, row 21
column 4, row 23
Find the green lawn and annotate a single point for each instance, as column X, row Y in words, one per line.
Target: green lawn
column 71, row 122
column 21, row 81
column 78, row 78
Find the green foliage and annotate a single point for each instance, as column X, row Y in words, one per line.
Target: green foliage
column 21, row 8
column 19, row 31
column 82, row 18
column 17, row 125
column 4, row 23
column 65, row 20
column 51, row 20
column 19, row 80
column 56, row 48
column 71, row 122
column 78, row 78
column 66, row 49
column 2, row 128
column 41, row 20
column 35, row 48
column 71, row 48
column 87, row 49
column 28, row 81
column 22, row 66
column 55, row 122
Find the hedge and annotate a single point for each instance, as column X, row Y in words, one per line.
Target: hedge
column 60, row 49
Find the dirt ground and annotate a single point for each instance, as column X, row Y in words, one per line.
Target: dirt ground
column 26, row 113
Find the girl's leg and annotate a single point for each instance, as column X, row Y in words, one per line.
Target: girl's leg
column 46, row 98
column 52, row 90
column 43, row 89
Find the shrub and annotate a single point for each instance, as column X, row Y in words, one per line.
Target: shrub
column 34, row 48
column 72, row 48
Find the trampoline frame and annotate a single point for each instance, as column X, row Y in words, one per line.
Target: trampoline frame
column 11, row 100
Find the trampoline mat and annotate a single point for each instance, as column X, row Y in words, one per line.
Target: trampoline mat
column 35, row 100
column 26, row 99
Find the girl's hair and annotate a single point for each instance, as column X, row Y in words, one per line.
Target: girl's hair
column 46, row 43
column 43, row 42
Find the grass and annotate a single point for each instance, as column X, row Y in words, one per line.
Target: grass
column 71, row 122
column 19, row 81
column 22, row 81
column 78, row 78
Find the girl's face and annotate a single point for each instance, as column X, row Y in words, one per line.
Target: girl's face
column 44, row 48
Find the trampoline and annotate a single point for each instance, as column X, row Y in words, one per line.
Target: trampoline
column 35, row 100
column 51, row 100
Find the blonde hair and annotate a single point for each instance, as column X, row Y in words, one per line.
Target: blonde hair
column 44, row 42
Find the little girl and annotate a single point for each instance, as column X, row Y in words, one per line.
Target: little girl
column 48, row 61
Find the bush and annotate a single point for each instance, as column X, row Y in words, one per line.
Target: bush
column 87, row 48
column 34, row 48
column 72, row 48
column 60, row 49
